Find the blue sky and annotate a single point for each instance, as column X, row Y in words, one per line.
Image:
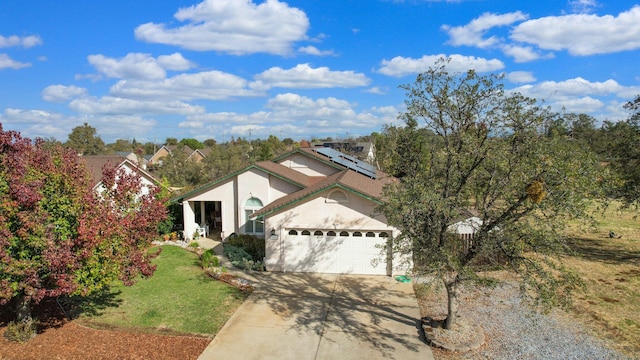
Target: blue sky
column 302, row 69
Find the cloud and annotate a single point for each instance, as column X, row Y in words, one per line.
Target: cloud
column 472, row 34
column 583, row 6
column 400, row 66
column 377, row 90
column 521, row 54
column 139, row 66
column 109, row 105
column 312, row 50
column 583, row 34
column 7, row 62
column 236, row 27
column 211, row 85
column 520, row 77
column 304, row 76
column 62, row 93
column 294, row 115
column 25, row 42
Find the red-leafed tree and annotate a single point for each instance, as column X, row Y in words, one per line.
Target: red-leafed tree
column 57, row 235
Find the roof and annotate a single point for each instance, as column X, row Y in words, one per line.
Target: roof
column 345, row 179
column 95, row 164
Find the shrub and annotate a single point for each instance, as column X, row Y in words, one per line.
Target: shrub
column 240, row 258
column 21, row 332
column 208, row 259
column 251, row 244
column 194, row 244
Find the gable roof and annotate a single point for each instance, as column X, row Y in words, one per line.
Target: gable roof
column 95, row 164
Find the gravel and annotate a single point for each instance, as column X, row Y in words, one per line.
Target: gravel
column 513, row 331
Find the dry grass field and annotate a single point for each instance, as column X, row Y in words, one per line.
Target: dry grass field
column 610, row 304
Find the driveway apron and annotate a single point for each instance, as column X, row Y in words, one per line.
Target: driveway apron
column 323, row 316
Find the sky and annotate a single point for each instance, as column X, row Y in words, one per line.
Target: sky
column 216, row 69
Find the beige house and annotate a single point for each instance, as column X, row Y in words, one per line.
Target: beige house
column 96, row 163
column 315, row 207
column 168, row 150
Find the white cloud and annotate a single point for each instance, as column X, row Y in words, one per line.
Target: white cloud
column 583, row 6
column 109, row 105
column 401, row 66
column 211, row 85
column 312, row 50
column 232, row 26
column 472, row 34
column 522, row 54
column 520, row 77
column 304, row 76
column 25, row 42
column 583, row 34
column 377, row 90
column 139, row 66
column 62, row 93
column 7, row 62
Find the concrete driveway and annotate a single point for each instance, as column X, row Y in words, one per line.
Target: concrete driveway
column 323, row 316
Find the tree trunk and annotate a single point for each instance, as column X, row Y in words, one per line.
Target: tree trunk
column 23, row 309
column 451, row 283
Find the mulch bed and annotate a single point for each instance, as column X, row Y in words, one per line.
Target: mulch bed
column 59, row 338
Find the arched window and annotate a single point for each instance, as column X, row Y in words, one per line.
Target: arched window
column 293, row 232
column 253, row 225
column 337, row 196
column 370, row 234
column 344, row 233
column 306, row 232
column 383, row 234
column 357, row 233
column 318, row 233
column 331, row 233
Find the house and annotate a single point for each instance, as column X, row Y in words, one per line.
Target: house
column 139, row 161
column 315, row 207
column 96, row 163
column 168, row 150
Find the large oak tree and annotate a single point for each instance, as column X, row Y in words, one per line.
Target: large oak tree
column 468, row 144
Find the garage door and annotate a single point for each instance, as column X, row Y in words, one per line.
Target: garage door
column 343, row 252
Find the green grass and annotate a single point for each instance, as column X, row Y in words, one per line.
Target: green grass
column 179, row 299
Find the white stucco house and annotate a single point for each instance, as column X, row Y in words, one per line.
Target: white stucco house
column 315, row 207
column 96, row 163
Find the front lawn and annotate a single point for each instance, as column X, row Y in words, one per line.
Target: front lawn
column 178, row 299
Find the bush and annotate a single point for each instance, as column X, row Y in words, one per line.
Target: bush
column 208, row 259
column 240, row 258
column 21, row 332
column 252, row 244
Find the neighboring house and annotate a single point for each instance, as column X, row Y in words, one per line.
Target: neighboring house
column 315, row 207
column 141, row 162
column 362, row 150
column 468, row 224
column 96, row 163
column 168, row 150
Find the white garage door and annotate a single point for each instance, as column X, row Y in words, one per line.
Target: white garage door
column 345, row 252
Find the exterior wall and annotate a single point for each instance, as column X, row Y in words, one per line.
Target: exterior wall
column 226, row 193
column 255, row 184
column 308, row 165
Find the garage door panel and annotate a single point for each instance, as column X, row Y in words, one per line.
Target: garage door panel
column 333, row 254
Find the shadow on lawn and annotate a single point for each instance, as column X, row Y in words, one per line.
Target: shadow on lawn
column 603, row 250
column 92, row 305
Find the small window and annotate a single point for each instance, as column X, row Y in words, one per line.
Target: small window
column 357, row 233
column 331, row 233
column 318, row 233
column 344, row 233
column 293, row 232
column 337, row 196
column 370, row 234
column 383, row 234
column 306, row 232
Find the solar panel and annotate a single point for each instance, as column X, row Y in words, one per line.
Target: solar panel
column 348, row 161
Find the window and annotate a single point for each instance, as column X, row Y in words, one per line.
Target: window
column 344, row 233
column 318, row 233
column 370, row 234
column 306, row 232
column 357, row 233
column 383, row 234
column 331, row 233
column 255, row 225
column 293, row 232
column 337, row 196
